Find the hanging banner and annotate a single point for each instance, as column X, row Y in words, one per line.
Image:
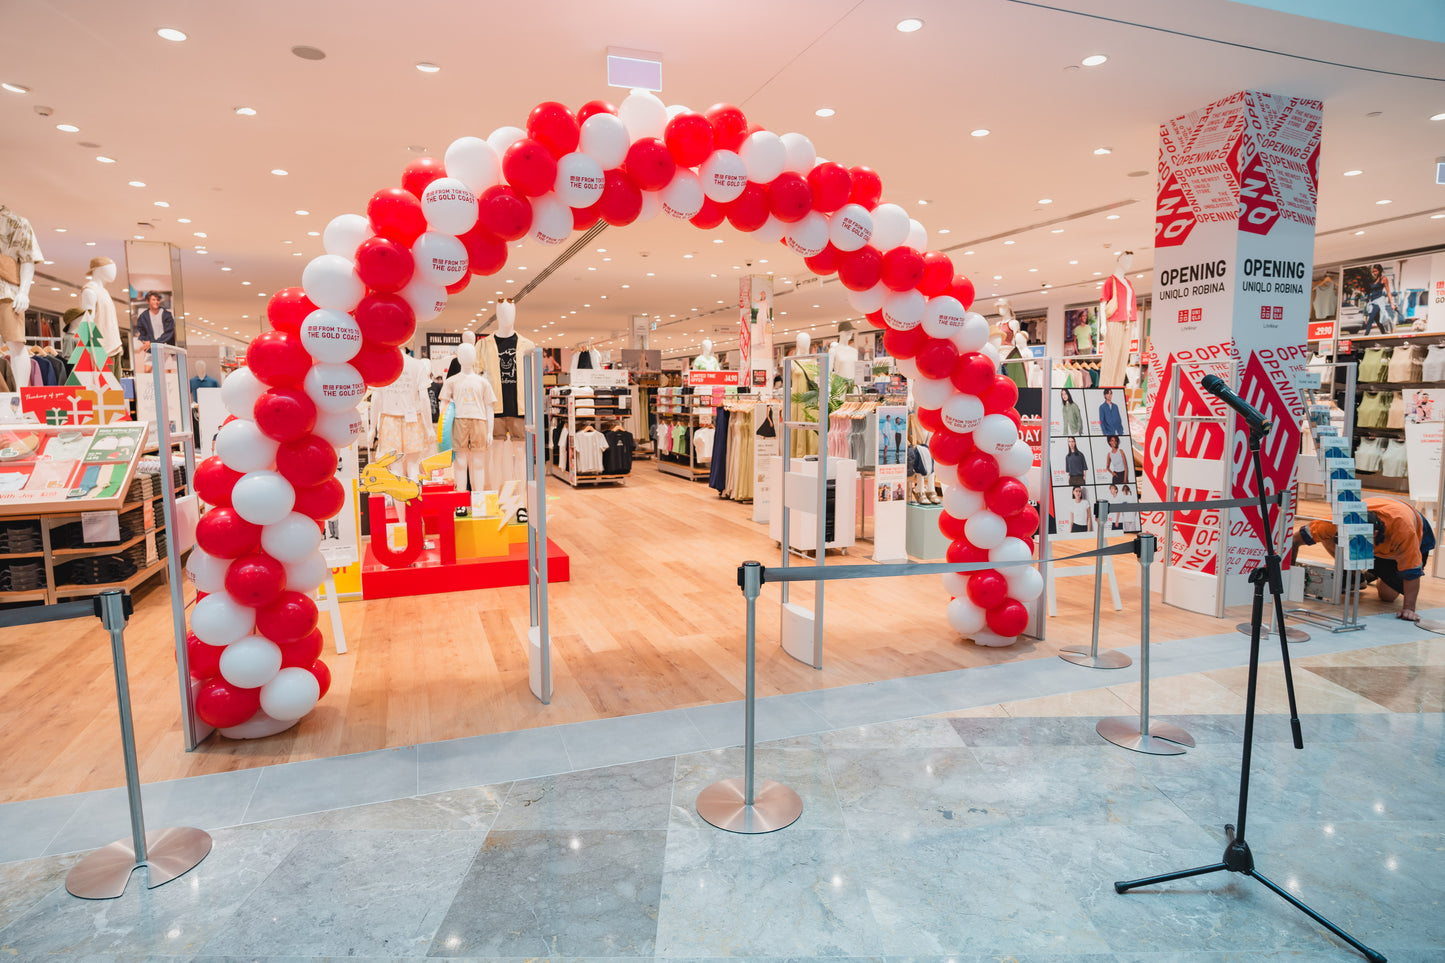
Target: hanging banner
column 890, row 486
column 1234, row 238
column 755, row 322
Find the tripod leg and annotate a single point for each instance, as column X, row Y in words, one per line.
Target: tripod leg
column 1294, row 724
column 1123, row 886
column 1369, row 954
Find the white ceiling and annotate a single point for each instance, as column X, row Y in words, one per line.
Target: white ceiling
column 905, row 106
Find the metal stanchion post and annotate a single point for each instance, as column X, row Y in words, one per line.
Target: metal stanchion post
column 1091, row 657
column 732, row 804
column 1163, row 739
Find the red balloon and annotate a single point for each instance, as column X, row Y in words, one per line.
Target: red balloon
column 875, row 318
column 749, row 211
column 384, row 265
column 710, row 215
column 867, row 187
column 905, row 344
column 204, row 660
column 321, row 501
column 307, row 461
column 902, row 269
column 987, row 588
column 585, row 217
column 279, row 359
column 552, row 125
column 951, row 527
column 1025, row 523
column 593, row 107
column 288, row 619
column 1009, row 618
column 486, row 253
column 213, row 481
column 930, row 418
column 396, row 214
column 729, row 126
column 978, row 470
column 789, row 197
column 963, row 552
column 1006, row 497
column 456, row 287
column 385, row 319
column 825, row 261
column 649, row 164
column 285, row 414
column 950, row 447
column 621, row 200
column 937, row 358
column 223, row 705
column 1013, row 416
column 973, row 373
column 304, row 651
column 378, row 364
column 529, row 167
column 504, row 213
column 224, row 534
column 830, row 184
column 937, row 274
column 288, row 308
column 255, row 579
column 962, row 289
column 323, row 676
column 859, row 270
column 689, row 139
column 417, row 175
column 1001, row 395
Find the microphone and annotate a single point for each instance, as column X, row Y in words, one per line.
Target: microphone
column 1252, row 416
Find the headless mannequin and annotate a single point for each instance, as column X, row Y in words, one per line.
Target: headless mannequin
column 402, row 416
column 472, row 428
column 1118, row 311
column 1001, row 331
column 504, row 368
column 842, row 356
column 15, row 299
column 707, row 361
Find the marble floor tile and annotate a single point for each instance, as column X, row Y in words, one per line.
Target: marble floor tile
column 861, row 705
column 24, row 883
column 559, row 894
column 775, row 717
column 998, row 710
column 788, row 894
column 1171, row 695
column 610, row 742
column 1313, row 693
column 494, row 758
column 351, row 894
column 457, row 809
column 804, row 771
column 887, row 789
column 1027, row 731
column 28, row 826
column 926, row 733
column 1088, row 702
column 1399, row 688
column 319, row 784
column 634, row 796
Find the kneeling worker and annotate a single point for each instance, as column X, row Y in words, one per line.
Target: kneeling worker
column 1403, row 540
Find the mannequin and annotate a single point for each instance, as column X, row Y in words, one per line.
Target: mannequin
column 202, row 380
column 800, row 374
column 842, row 356
column 589, row 358
column 97, row 303
column 501, row 359
column 1117, row 307
column 1003, row 329
column 472, row 427
column 707, row 361
column 19, row 250
column 401, row 417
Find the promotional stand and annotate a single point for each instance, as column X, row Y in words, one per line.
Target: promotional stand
column 539, row 640
column 798, row 624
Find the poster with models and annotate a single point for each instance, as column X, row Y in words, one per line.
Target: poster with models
column 1091, row 458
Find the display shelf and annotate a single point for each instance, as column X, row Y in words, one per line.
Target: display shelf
column 107, row 549
column 66, row 591
column 34, row 595
column 5, row 555
column 570, row 474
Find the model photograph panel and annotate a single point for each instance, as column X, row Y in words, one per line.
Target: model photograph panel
column 1069, row 461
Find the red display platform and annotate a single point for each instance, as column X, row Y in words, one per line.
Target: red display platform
column 428, row 575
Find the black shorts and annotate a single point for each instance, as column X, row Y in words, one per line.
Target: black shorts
column 1121, row 478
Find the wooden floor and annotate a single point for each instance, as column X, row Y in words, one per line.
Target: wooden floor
column 651, row 620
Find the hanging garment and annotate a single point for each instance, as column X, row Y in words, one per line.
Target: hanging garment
column 1369, row 455
column 617, row 460
column 718, row 477
column 1394, row 463
column 1405, row 364
column 589, row 444
column 1325, row 300
column 1396, row 417
column 1375, row 365
column 1434, row 367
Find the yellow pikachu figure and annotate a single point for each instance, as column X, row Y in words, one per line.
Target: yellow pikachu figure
column 435, row 463
column 377, row 478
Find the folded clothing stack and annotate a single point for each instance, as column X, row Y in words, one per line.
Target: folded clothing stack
column 16, row 576
column 17, row 537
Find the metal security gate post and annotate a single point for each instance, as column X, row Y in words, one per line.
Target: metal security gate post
column 539, row 666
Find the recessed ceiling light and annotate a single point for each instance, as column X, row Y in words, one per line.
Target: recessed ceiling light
column 183, row 220
column 980, row 132
column 303, row 213
column 105, row 160
column 90, row 244
column 687, row 257
column 279, row 172
column 68, row 128
column 966, row 253
column 1057, row 230
column 60, row 230
column 22, row 89
column 1008, row 242
column 825, row 112
column 137, row 183
column 1073, row 262
column 246, row 283
column 1033, row 270
column 225, row 269
column 1358, row 233
column 313, row 233
column 138, row 237
column 1093, row 60
column 1046, row 200
column 1111, row 217
column 1386, row 201
column 162, row 203
column 909, row 25
column 199, row 234
column 998, row 277
column 1353, row 173
column 944, row 230
column 1436, row 217
column 306, row 52
column 171, row 34
column 427, row 68
column 1103, row 150
column 1436, row 117
column 717, row 240
column 245, row 111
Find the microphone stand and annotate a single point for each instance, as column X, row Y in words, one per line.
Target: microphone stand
column 1237, row 855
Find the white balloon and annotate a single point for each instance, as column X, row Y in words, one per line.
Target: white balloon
column 449, row 206
column 991, row 639
column 674, row 109
column 651, row 206
column 955, row 584
column 964, row 617
column 996, row 435
column 1035, row 482
column 930, row 393
column 499, row 140
column 427, row 299
column 908, row 369
column 579, row 179
column 772, row 230
column 972, row 334
column 917, row 236
column 307, row 574
column 866, row 302
column 723, row 176
column 291, row 694
column 801, row 157
column 764, row 155
column 946, row 475
column 339, row 428
column 293, row 539
column 551, row 220
column 904, row 310
column 1024, row 582
column 243, row 447
column 206, row 571
column 890, row 226
column 474, row 162
column 218, row 619
column 240, row 391
column 331, row 335
column 961, row 502
column 259, row 726
column 985, row 529
column 330, row 281
column 683, row 197
column 344, row 234
column 643, row 115
column 333, row 387
column 850, row 227
column 943, row 317
column 604, row 139
column 992, row 354
column 1011, row 549
column 250, row 662
column 263, row 497
column 442, row 259
column 963, row 412
column 808, row 236
column 1017, row 460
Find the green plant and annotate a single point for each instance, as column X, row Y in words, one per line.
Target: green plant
column 808, row 399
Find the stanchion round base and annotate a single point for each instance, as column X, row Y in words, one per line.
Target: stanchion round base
column 1432, row 625
column 1106, row 659
column 171, row 852
column 1164, row 739
column 723, row 804
column 1291, row 634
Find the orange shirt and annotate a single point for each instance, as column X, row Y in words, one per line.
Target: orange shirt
column 1403, row 532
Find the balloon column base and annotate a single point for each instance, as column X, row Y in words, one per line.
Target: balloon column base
column 258, row 727
column 429, row 575
column 170, row 853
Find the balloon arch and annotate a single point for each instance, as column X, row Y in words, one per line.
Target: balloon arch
column 254, row 644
